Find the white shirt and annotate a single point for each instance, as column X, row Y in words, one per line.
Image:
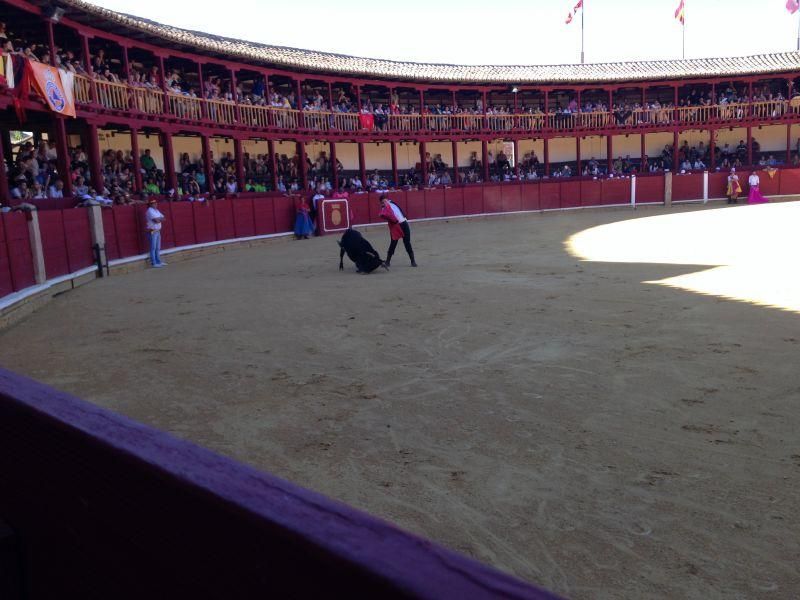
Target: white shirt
column 151, row 215
column 398, row 214
column 754, row 180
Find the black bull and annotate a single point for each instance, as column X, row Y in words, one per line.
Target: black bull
column 360, row 251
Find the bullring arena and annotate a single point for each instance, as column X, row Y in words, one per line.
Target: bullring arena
column 589, row 384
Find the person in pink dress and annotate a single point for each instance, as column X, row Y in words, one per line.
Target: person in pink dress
column 755, row 196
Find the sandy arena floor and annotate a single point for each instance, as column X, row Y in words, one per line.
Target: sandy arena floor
column 560, row 419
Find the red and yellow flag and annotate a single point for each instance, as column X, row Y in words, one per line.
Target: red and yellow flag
column 680, row 13
column 49, row 84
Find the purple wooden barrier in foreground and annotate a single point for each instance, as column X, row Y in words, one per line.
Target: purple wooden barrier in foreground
column 105, row 507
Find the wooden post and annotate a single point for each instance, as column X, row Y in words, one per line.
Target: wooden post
column 93, row 153
column 163, row 74
column 577, row 156
column 301, row 154
column 273, row 163
column 394, row 164
column 712, row 150
column 546, row 157
column 62, row 147
column 137, row 162
column 456, row 174
column 675, row 150
column 87, row 65
column 485, row 160
column 609, row 154
column 240, row 172
column 643, row 166
column 5, row 195
column 788, row 145
column 201, row 92
column 51, row 40
column 169, row 161
column 301, row 121
column 516, row 156
column 362, row 166
column 334, row 171
column 423, row 163
column 237, row 107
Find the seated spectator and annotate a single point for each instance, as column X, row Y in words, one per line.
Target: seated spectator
column 147, row 162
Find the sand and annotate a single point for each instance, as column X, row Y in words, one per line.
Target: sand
column 561, row 420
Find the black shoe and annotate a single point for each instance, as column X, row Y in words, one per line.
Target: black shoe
column 388, row 263
column 413, row 264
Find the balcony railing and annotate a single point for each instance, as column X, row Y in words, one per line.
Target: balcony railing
column 151, row 101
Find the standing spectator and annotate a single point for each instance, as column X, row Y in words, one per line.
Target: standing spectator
column 154, row 219
column 392, row 213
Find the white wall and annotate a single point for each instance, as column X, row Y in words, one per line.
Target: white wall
column 347, row 154
column 465, row 150
column 378, row 156
column 443, row 148
column 407, row 156
column 655, row 142
column 623, row 146
column 562, row 150
column 528, row 146
column 593, row 146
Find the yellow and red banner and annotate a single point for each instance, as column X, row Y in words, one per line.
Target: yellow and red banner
column 54, row 86
column 680, row 12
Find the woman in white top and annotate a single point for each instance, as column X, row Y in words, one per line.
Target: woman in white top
column 755, row 196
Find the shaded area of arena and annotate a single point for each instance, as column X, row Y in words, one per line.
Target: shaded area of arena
column 563, row 420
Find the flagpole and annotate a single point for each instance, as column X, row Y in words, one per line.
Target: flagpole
column 683, row 34
column 583, row 10
column 798, row 35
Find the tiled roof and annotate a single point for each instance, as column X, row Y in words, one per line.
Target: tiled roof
column 330, row 63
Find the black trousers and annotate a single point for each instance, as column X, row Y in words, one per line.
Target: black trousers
column 406, row 243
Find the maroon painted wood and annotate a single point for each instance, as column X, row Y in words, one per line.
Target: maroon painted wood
column 591, row 192
column 770, row 186
column 617, row 191
column 454, row 201
column 243, row 217
column 264, row 214
column 492, row 199
column 223, row 217
column 650, row 188
column 19, row 250
column 511, row 196
column 687, row 187
column 434, row 203
column 550, row 195
column 54, row 244
column 6, row 282
column 473, row 200
column 717, row 185
column 415, row 204
column 182, row 220
column 284, row 214
column 789, row 182
column 104, row 507
column 127, row 230
column 110, row 233
column 205, row 229
column 79, row 239
column 570, row 193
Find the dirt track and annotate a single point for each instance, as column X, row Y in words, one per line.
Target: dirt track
column 559, row 419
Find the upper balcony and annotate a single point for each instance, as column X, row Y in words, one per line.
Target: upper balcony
column 108, row 97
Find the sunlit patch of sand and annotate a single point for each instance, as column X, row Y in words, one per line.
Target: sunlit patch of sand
column 754, row 250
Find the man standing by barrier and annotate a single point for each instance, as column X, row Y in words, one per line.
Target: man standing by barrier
column 392, row 213
column 154, row 218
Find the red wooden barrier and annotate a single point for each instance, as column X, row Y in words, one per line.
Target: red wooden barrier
column 473, row 200
column 789, row 182
column 285, row 214
column 182, row 218
column 126, row 226
column 550, row 194
column 530, row 196
column 361, row 208
column 264, row 214
column 717, row 185
column 19, row 250
column 570, row 193
column 770, row 186
column 110, row 232
column 434, row 203
column 243, row 217
column 511, row 195
column 687, row 187
column 616, row 191
column 6, row 283
column 650, row 188
column 223, row 216
column 372, row 201
column 79, row 239
column 415, row 204
column 454, row 201
column 54, row 244
column 205, row 229
column 591, row 192
column 492, row 199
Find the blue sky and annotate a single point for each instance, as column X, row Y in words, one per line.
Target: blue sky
column 485, row 32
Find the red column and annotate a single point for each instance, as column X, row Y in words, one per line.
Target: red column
column 299, row 92
column 609, row 153
column 358, row 98
column 675, row 149
column 273, row 163
column 126, row 63
column 750, row 98
column 62, row 147
column 301, row 153
column 750, row 145
column 51, row 40
column 545, row 111
column 546, row 157
column 237, row 108
column 788, row 145
column 334, row 172
column 93, row 153
column 712, row 149
column 394, row 164
column 201, row 92
column 516, row 156
column 87, row 65
column 485, row 160
column 330, row 96
column 169, row 161
column 422, row 109
column 362, row 166
column 642, row 165
column 675, row 103
column 164, row 84
column 137, row 163
column 208, row 162
column 577, row 156
column 423, row 163
column 240, row 175
column 456, row 174
column 5, row 196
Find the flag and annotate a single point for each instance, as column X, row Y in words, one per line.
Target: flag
column 792, row 5
column 569, row 18
column 680, row 12
column 49, row 84
column 577, row 6
column 575, row 10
